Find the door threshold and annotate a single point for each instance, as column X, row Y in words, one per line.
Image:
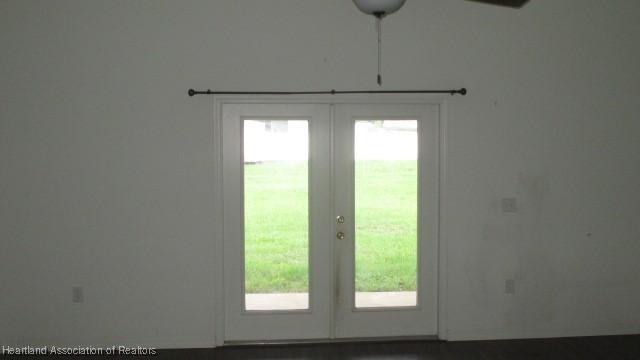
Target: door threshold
column 329, row 341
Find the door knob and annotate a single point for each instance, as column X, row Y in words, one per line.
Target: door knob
column 340, row 219
column 340, row 235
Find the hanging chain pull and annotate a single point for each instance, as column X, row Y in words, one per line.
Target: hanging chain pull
column 379, row 28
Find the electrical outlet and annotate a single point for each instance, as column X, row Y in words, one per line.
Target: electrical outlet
column 77, row 294
column 510, row 286
column 509, row 205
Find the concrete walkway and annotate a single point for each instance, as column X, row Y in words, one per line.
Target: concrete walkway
column 300, row 301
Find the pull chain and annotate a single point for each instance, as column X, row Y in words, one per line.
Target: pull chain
column 379, row 28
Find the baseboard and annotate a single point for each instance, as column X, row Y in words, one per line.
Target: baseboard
column 453, row 335
column 502, row 334
column 175, row 343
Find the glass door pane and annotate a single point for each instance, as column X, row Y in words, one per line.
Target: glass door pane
column 386, row 210
column 276, row 214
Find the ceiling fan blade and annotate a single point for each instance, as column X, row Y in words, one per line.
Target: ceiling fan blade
column 509, row 3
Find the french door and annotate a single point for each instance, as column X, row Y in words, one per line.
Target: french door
column 330, row 220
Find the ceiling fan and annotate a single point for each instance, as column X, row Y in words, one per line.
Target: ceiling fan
column 509, row 3
column 381, row 8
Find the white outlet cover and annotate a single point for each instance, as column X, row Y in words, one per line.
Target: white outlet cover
column 510, row 286
column 509, row 205
column 77, row 294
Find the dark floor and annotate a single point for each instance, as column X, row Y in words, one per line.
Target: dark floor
column 606, row 347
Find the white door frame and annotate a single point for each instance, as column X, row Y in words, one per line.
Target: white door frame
column 216, row 132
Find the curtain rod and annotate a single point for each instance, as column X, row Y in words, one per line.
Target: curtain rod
column 193, row 92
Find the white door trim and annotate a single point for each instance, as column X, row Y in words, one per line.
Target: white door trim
column 218, row 257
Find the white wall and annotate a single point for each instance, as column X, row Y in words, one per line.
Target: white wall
column 106, row 176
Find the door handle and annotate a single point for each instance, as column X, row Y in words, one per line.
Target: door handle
column 340, row 235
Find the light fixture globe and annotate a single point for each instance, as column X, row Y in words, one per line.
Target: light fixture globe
column 379, row 8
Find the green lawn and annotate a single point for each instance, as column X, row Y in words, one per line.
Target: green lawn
column 276, row 225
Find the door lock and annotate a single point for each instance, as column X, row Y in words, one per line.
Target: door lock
column 340, row 235
column 340, row 219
